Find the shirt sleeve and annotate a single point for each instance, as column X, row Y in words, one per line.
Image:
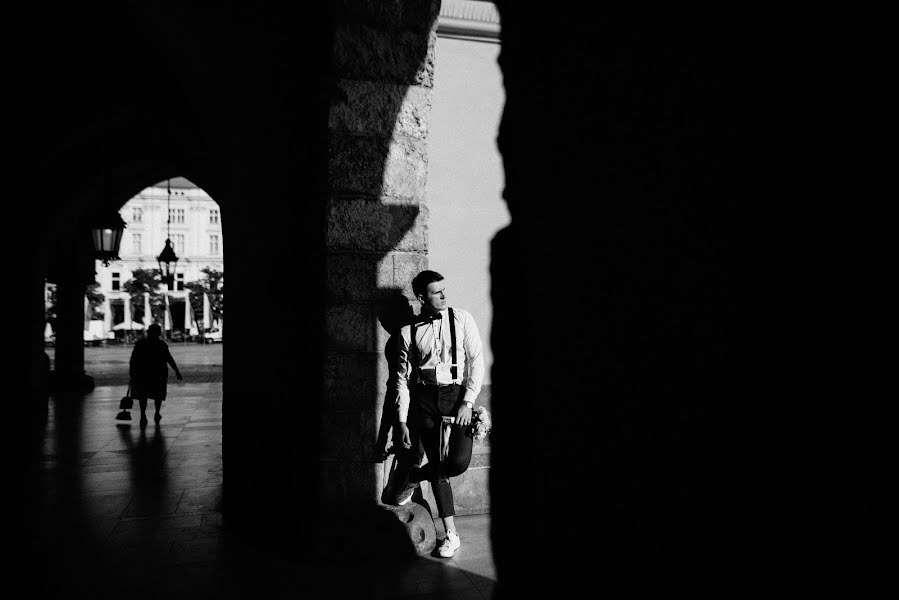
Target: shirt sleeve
column 403, row 371
column 474, row 358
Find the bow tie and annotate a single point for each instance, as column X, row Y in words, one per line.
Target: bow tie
column 434, row 317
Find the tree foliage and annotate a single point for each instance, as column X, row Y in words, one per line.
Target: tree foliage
column 95, row 300
column 146, row 281
column 50, row 305
column 212, row 284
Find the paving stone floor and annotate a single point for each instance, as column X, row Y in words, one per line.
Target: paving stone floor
column 133, row 512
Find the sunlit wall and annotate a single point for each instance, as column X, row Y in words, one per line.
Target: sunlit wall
column 465, row 179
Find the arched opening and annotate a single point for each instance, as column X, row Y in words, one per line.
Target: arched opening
column 191, row 306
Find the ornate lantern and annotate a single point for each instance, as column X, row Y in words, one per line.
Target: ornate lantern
column 168, row 260
column 107, row 237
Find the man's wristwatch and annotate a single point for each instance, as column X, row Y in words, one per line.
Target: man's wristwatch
column 468, row 403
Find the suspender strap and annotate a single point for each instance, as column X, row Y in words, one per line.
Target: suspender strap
column 413, row 347
column 454, row 370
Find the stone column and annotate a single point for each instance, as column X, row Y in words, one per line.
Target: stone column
column 76, row 269
column 383, row 62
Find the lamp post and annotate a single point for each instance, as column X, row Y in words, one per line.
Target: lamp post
column 107, row 237
column 167, row 259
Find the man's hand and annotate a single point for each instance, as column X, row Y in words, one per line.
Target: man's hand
column 463, row 417
column 402, row 436
column 178, row 375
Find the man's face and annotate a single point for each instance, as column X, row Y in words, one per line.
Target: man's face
column 435, row 296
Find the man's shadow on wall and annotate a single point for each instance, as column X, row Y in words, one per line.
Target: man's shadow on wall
column 394, row 311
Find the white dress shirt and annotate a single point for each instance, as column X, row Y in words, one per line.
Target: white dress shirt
column 434, row 347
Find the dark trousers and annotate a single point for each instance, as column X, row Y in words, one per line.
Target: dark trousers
column 429, row 404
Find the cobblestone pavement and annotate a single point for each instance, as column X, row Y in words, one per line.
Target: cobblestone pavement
column 108, row 365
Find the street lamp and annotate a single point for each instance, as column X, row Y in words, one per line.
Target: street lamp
column 107, row 237
column 167, row 259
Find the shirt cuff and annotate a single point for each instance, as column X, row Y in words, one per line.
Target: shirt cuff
column 402, row 406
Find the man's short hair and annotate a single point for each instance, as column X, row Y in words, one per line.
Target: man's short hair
column 421, row 282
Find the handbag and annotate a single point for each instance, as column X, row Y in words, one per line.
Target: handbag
column 125, row 404
column 127, row 401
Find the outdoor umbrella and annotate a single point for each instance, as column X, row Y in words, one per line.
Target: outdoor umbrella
column 107, row 315
column 148, row 316
column 207, row 312
column 127, row 312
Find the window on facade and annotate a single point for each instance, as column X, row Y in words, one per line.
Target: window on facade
column 116, row 281
column 135, row 243
column 213, row 216
column 178, row 242
column 179, row 281
column 137, row 215
column 213, row 244
column 176, row 215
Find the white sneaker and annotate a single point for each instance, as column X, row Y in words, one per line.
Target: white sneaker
column 449, row 545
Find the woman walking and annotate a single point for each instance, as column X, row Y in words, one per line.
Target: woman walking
column 149, row 370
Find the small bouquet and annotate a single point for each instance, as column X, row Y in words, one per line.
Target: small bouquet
column 481, row 423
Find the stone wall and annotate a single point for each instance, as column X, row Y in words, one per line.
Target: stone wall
column 383, row 61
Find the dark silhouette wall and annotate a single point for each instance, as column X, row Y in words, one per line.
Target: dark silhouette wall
column 668, row 273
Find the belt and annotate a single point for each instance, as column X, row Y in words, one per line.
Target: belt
column 436, row 385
